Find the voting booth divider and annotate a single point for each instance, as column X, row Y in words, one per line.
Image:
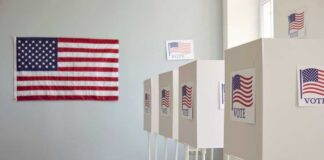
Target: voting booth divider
column 168, row 104
column 151, row 111
column 274, row 100
column 201, row 119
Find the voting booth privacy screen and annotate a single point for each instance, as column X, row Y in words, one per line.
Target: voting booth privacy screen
column 168, row 104
column 151, row 105
column 274, row 100
column 201, row 118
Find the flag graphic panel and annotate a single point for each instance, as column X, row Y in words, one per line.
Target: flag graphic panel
column 147, row 103
column 296, row 24
column 187, row 100
column 296, row 21
column 310, row 85
column 165, row 101
column 243, row 96
column 66, row 69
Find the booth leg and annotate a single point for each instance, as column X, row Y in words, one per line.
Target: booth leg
column 149, row 145
column 165, row 148
column 156, row 146
column 212, row 154
column 186, row 152
column 203, row 154
column 176, row 150
column 197, row 153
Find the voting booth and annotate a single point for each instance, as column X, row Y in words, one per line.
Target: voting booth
column 274, row 100
column 201, row 118
column 151, row 105
column 168, row 104
column 168, row 109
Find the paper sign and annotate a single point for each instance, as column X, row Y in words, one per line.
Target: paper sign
column 165, row 98
column 296, row 24
column 187, row 100
column 147, row 103
column 180, row 49
column 310, row 80
column 243, row 96
column 221, row 95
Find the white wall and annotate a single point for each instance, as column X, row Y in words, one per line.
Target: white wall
column 314, row 11
column 97, row 130
column 241, row 22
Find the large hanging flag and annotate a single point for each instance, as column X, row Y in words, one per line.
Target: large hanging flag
column 66, row 69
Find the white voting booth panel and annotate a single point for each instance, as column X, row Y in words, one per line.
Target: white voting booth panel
column 168, row 103
column 201, row 120
column 151, row 105
column 263, row 120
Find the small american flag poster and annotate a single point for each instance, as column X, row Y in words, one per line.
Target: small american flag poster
column 310, row 80
column 165, row 101
column 243, row 96
column 296, row 24
column 180, row 49
column 50, row 68
column 187, row 100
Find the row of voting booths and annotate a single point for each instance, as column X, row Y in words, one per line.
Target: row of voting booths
column 180, row 105
column 273, row 95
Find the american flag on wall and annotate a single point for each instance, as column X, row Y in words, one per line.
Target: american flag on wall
column 66, row 69
column 180, row 47
column 242, row 90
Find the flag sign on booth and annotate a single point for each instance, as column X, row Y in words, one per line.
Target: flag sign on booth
column 187, row 100
column 243, row 96
column 221, row 95
column 165, row 101
column 310, row 85
column 296, row 26
column 66, row 69
column 147, row 103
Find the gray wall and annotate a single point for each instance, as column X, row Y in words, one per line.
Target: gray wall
column 75, row 130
